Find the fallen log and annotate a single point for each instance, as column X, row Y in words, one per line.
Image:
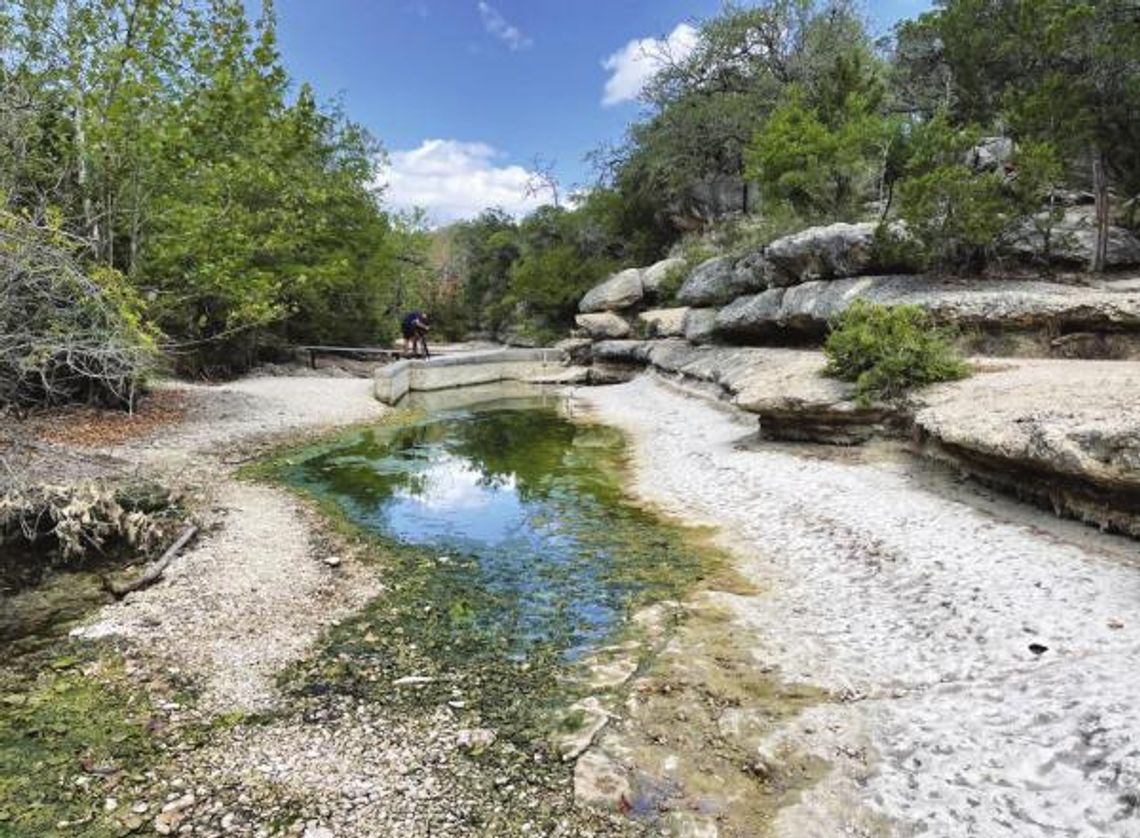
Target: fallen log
column 155, row 570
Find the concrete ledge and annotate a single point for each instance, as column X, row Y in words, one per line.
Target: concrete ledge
column 396, row 380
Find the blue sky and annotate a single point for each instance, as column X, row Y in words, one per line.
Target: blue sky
column 465, row 93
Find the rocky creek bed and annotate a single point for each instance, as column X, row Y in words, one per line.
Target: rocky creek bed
column 863, row 651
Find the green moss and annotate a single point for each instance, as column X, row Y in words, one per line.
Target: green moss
column 71, row 730
column 470, row 639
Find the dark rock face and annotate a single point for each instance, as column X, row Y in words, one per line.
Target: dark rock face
column 712, row 197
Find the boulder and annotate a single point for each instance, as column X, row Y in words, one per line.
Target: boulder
column 655, row 274
column 988, row 305
column 603, row 325
column 700, row 324
column 664, row 322
column 620, row 291
column 1072, row 241
column 991, row 154
column 715, row 282
column 831, row 252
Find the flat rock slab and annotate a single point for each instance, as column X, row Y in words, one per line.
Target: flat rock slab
column 1066, row 433
column 996, row 305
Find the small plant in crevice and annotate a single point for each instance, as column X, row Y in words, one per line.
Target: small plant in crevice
column 887, row 351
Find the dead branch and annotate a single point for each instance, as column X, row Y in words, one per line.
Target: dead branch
column 155, row 570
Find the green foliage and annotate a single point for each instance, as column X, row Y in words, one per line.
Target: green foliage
column 166, row 138
column 895, row 250
column 956, row 213
column 819, row 170
column 889, row 350
column 1051, row 71
column 532, row 273
column 672, row 281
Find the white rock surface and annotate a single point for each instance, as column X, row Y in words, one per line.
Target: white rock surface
column 620, row 291
column 664, row 322
column 603, row 325
column 916, row 610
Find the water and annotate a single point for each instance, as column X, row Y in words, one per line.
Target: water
column 519, row 510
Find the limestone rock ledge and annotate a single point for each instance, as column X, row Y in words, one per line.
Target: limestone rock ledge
column 1064, row 434
column 998, row 306
column 783, row 387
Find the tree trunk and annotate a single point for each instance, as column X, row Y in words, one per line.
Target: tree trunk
column 1100, row 193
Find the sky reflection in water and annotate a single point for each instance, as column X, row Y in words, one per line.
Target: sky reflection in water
column 529, row 502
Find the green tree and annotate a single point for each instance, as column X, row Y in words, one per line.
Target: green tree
column 1057, row 71
column 821, row 170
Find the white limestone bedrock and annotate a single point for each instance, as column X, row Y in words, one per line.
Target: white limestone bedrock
column 920, row 611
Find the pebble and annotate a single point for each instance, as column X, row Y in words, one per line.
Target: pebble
column 333, row 561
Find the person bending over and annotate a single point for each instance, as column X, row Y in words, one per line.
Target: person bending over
column 414, row 327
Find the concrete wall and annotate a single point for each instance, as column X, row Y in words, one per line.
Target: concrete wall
column 396, row 380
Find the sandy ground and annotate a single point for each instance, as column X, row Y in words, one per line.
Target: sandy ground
column 983, row 667
column 254, row 592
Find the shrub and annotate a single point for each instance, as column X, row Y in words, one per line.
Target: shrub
column 888, row 350
column 65, row 335
column 672, row 281
column 956, row 213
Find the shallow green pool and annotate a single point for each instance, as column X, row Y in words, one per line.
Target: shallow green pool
column 521, row 509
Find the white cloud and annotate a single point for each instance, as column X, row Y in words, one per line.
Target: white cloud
column 635, row 64
column 497, row 25
column 453, row 180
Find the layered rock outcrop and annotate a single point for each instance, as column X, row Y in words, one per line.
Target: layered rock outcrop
column 1064, row 434
column 803, row 311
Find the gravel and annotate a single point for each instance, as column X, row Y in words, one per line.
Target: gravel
column 253, row 593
